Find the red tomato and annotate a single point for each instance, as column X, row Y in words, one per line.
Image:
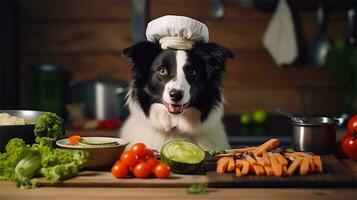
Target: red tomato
column 152, row 162
column 162, row 170
column 349, row 145
column 149, row 154
column 139, row 149
column 131, row 169
column 119, row 170
column 129, row 158
column 142, row 170
column 352, row 124
column 74, row 139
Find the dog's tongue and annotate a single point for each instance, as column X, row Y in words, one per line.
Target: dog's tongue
column 176, row 109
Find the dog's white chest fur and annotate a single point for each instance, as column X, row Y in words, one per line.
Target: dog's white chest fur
column 161, row 126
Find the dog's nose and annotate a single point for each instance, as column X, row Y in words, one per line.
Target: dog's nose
column 175, row 95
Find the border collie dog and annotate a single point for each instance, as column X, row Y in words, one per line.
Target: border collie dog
column 176, row 94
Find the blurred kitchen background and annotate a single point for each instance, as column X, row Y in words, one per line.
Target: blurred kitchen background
column 65, row 57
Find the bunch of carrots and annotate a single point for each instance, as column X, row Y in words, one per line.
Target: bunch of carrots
column 262, row 160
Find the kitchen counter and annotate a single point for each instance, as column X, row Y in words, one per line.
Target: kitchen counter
column 9, row 191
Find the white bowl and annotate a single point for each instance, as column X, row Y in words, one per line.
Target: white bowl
column 100, row 156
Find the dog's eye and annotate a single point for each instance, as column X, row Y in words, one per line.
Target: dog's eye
column 192, row 72
column 162, row 71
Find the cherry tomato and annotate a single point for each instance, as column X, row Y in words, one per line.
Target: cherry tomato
column 141, row 160
column 139, row 149
column 74, row 139
column 129, row 158
column 162, row 170
column 349, row 145
column 152, row 162
column 142, row 170
column 119, row 170
column 131, row 169
column 352, row 124
column 149, row 154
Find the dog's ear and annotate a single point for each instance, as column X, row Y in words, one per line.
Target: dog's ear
column 215, row 57
column 215, row 52
column 141, row 56
column 142, row 49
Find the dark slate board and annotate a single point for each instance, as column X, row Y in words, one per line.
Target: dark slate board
column 335, row 175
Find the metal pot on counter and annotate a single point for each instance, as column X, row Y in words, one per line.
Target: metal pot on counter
column 314, row 134
column 103, row 98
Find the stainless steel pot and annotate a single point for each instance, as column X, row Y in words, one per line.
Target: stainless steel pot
column 103, row 98
column 315, row 134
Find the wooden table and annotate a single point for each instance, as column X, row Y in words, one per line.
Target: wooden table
column 9, row 191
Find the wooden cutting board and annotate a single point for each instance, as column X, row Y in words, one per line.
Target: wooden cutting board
column 335, row 175
column 105, row 179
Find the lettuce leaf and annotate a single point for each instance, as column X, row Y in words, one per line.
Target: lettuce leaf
column 16, row 149
column 49, row 125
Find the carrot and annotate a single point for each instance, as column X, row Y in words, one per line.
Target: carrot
column 260, row 161
column 239, row 163
column 238, row 172
column 222, row 159
column 245, row 168
column 277, row 167
column 303, row 154
column 222, row 164
column 251, row 160
column 269, row 171
column 259, row 170
column 231, row 165
column 267, row 146
column 293, row 166
column 266, row 158
column 74, row 139
column 305, row 166
column 318, row 163
column 241, row 150
column 312, row 168
column 281, row 159
column 291, row 157
column 285, row 170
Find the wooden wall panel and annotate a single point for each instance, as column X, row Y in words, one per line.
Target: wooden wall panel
column 238, row 35
column 301, row 102
column 248, row 100
column 86, row 39
column 74, row 10
column 85, row 66
column 254, row 70
column 75, row 37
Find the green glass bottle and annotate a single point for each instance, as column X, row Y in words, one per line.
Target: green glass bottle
column 46, row 88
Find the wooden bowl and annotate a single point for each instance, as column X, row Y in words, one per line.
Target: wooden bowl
column 101, row 157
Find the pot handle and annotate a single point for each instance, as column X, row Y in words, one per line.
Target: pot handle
column 341, row 119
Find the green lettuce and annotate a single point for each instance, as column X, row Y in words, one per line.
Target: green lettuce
column 61, row 164
column 26, row 169
column 49, row 125
column 22, row 163
column 16, row 149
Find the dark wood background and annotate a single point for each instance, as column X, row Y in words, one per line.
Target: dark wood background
column 86, row 39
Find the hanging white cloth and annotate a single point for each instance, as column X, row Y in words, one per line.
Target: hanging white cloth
column 280, row 38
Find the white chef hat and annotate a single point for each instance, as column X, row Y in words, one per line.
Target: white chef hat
column 176, row 32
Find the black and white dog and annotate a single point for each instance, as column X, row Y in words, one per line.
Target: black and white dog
column 176, row 94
